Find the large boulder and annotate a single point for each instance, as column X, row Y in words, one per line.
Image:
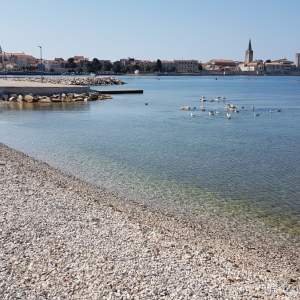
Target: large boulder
column 63, row 97
column 20, row 98
column 13, row 98
column 56, row 99
column 80, row 98
column 104, row 97
column 5, row 97
column 93, row 96
column 69, row 99
column 45, row 100
column 28, row 98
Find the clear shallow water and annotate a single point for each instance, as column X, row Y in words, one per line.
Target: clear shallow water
column 164, row 157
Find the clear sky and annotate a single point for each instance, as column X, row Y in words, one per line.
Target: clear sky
column 151, row 29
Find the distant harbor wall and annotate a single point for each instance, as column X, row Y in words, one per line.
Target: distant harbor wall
column 121, row 92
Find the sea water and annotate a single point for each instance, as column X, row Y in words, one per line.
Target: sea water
column 167, row 158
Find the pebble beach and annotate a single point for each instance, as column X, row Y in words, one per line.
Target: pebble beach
column 62, row 238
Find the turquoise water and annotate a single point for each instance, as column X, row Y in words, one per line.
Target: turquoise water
column 162, row 156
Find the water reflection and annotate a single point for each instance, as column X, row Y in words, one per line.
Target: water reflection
column 63, row 106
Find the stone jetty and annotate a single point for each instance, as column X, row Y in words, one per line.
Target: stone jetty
column 71, row 80
column 55, row 98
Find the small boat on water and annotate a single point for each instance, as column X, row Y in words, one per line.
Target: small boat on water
column 211, row 113
column 228, row 116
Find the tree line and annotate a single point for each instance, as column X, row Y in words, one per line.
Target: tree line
column 97, row 66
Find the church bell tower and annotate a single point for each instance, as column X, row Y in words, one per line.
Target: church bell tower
column 249, row 54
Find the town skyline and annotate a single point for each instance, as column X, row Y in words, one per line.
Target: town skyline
column 153, row 30
column 79, row 54
column 21, row 62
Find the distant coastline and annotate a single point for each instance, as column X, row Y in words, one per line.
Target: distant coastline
column 203, row 73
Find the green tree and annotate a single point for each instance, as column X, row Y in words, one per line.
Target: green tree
column 94, row 66
column 107, row 66
column 71, row 63
column 117, row 67
column 158, row 66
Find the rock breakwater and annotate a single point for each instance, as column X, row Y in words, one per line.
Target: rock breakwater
column 64, row 97
column 71, row 80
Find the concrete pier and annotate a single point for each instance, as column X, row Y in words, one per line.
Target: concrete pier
column 127, row 91
column 8, row 86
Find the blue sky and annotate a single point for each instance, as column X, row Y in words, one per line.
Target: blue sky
column 151, row 29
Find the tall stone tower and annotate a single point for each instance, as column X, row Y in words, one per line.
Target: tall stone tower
column 297, row 61
column 249, row 54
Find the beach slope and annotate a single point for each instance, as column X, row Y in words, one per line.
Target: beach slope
column 61, row 238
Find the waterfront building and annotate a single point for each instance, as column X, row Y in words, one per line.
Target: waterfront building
column 279, row 66
column 104, row 61
column 297, row 60
column 79, row 59
column 255, row 66
column 221, row 65
column 1, row 59
column 59, row 60
column 56, row 65
column 20, row 60
column 133, row 64
column 249, row 65
column 125, row 62
column 168, row 66
column 186, row 66
column 144, row 65
column 249, row 54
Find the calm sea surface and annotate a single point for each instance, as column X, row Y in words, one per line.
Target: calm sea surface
column 162, row 156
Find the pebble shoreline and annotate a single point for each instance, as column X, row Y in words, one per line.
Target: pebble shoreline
column 61, row 238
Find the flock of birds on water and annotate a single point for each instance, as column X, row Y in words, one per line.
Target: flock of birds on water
column 229, row 108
